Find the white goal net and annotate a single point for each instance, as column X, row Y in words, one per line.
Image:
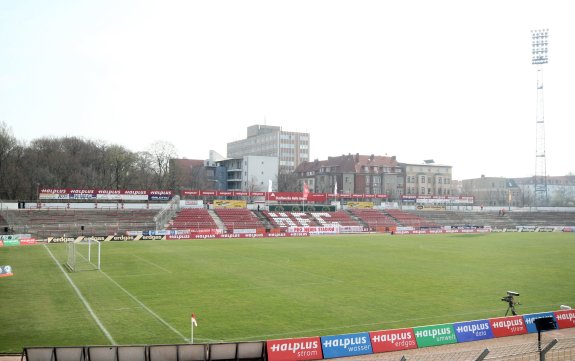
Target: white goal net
column 83, row 255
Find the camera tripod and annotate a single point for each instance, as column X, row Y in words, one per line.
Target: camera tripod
column 511, row 307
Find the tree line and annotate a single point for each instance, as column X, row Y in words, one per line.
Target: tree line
column 74, row 162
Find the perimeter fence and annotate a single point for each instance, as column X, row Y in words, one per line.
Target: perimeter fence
column 555, row 350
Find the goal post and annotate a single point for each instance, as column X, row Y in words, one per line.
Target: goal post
column 83, row 255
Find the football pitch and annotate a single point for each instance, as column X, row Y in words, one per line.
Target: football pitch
column 259, row 289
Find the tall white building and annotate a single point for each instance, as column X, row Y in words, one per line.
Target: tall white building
column 291, row 148
column 250, row 173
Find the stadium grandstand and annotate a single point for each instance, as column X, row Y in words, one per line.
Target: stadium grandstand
column 44, row 223
column 238, row 218
column 193, row 218
column 50, row 222
column 374, row 218
column 154, row 212
column 341, row 218
column 408, row 219
column 284, row 220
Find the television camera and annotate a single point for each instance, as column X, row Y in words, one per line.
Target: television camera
column 510, row 299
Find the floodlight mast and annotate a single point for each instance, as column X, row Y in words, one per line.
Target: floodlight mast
column 540, row 57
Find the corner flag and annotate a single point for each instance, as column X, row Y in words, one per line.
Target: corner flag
column 192, row 325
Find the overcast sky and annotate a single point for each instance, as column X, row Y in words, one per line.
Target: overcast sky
column 445, row 80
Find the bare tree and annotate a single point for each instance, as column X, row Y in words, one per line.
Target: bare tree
column 19, row 184
column 254, row 186
column 120, row 164
column 143, row 170
column 73, row 162
column 161, row 152
column 7, row 144
column 288, row 182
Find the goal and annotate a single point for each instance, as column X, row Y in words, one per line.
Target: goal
column 83, row 255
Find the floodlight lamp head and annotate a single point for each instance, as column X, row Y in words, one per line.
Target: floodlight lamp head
column 540, row 44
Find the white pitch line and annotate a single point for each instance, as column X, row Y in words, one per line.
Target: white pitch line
column 146, row 307
column 137, row 275
column 153, row 264
column 86, row 304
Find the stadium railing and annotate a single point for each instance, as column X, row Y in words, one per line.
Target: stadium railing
column 180, row 352
column 167, row 213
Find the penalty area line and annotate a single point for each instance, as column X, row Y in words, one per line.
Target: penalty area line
column 84, row 301
column 153, row 264
column 156, row 316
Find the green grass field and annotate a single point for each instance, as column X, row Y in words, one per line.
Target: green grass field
column 262, row 289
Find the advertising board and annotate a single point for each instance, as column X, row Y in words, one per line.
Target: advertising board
column 222, row 203
column 435, row 335
column 346, row 345
column 392, row 340
column 507, row 326
column 472, row 330
column 565, row 318
column 529, row 320
column 295, row 349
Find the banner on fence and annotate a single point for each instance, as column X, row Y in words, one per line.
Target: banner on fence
column 508, row 326
column 346, row 345
column 295, row 349
column 529, row 320
column 392, row 340
column 219, row 203
column 565, row 318
column 472, row 330
column 434, row 335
